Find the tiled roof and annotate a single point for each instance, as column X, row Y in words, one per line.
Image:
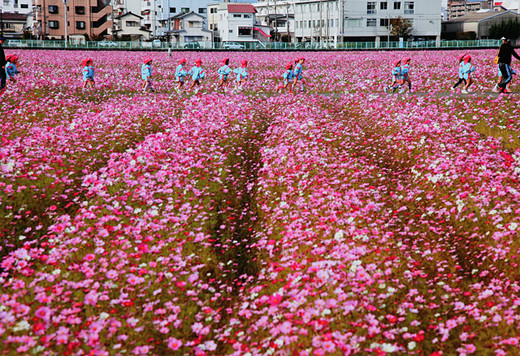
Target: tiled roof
column 241, row 8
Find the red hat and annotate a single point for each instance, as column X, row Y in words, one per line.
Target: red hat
column 300, row 59
column 12, row 58
column 182, row 60
column 8, row 58
column 244, row 63
column 467, row 58
column 461, row 57
column 288, row 66
column 406, row 59
column 147, row 60
column 198, row 60
column 86, row 61
column 225, row 60
column 396, row 62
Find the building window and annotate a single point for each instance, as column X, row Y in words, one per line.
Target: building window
column 173, row 10
column 24, row 6
column 383, row 22
column 244, row 31
column 247, row 16
column 80, row 10
column 213, row 10
column 371, row 22
column 408, row 7
column 230, row 31
column 54, row 24
column 383, row 5
column 131, row 24
column 237, row 15
column 397, row 6
column 371, row 7
column 185, row 10
column 202, row 10
column 53, row 9
column 80, row 25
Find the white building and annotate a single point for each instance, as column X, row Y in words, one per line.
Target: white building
column 321, row 20
column 237, row 23
column 16, row 6
column 279, row 16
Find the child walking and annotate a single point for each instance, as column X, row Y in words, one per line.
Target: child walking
column 396, row 78
column 180, row 73
column 461, row 72
column 241, row 74
column 197, row 74
column 467, row 70
column 223, row 72
column 10, row 68
column 405, row 73
column 146, row 74
column 298, row 73
column 288, row 78
column 88, row 73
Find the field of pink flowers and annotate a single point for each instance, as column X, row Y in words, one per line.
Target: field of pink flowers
column 255, row 223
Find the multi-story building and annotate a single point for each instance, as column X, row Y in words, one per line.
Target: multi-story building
column 237, row 23
column 353, row 20
column 187, row 27
column 278, row 15
column 457, row 8
column 84, row 17
column 16, row 6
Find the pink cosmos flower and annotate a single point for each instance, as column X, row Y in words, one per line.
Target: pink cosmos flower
column 174, row 343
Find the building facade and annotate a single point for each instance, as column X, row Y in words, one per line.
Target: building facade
column 84, row 17
column 237, row 23
column 351, row 20
column 129, row 26
column 457, row 8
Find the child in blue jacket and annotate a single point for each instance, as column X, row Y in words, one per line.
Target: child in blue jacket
column 88, row 73
column 146, row 74
column 288, row 78
column 298, row 73
column 197, row 74
column 397, row 79
column 180, row 73
column 461, row 72
column 10, row 68
column 241, row 73
column 405, row 72
column 467, row 70
column 224, row 72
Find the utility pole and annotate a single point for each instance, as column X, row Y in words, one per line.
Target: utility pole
column 66, row 23
column 321, row 21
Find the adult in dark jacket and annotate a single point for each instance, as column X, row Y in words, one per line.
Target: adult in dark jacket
column 505, row 52
column 3, row 63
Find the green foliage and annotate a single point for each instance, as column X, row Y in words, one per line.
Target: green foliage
column 401, row 27
column 508, row 29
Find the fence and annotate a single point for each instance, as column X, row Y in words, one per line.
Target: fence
column 301, row 46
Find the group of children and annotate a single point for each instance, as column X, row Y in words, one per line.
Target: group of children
column 400, row 76
column 197, row 74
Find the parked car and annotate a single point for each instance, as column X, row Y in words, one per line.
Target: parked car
column 107, row 44
column 192, row 45
column 157, row 43
column 232, row 45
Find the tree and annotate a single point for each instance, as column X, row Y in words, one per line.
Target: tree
column 508, row 29
column 401, row 27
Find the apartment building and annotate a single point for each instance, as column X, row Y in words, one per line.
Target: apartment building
column 237, row 23
column 84, row 17
column 352, row 20
column 457, row 8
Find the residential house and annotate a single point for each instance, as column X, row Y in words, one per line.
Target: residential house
column 129, row 26
column 187, row 27
column 13, row 25
column 237, row 23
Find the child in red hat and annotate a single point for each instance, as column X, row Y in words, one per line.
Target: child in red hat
column 288, row 78
column 223, row 72
column 88, row 73
column 241, row 74
column 197, row 74
column 298, row 71
column 180, row 73
column 397, row 79
column 10, row 68
column 146, row 74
